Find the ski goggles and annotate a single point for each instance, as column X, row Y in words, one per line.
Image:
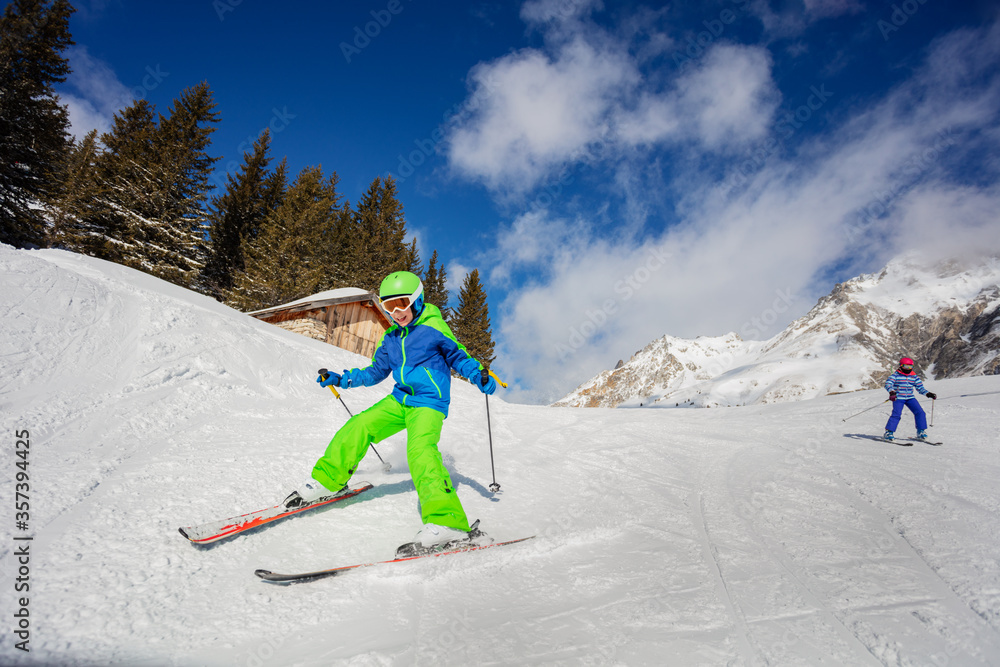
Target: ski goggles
column 906, row 367
column 394, row 303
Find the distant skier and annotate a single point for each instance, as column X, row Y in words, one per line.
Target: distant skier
column 420, row 351
column 900, row 386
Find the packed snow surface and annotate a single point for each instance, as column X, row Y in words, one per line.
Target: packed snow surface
column 772, row 534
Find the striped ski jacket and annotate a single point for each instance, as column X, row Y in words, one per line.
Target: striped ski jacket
column 420, row 357
column 904, row 384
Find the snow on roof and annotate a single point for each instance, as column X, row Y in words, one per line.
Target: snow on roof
column 344, row 293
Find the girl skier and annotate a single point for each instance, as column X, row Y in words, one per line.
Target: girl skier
column 420, row 351
column 900, row 386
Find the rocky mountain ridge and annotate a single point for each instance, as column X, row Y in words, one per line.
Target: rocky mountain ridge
column 946, row 315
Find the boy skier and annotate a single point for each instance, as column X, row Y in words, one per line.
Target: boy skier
column 420, row 351
column 900, row 386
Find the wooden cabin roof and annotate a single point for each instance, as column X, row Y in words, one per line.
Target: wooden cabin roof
column 336, row 297
column 320, row 299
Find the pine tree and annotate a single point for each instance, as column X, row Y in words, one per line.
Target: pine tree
column 33, row 125
column 435, row 290
column 291, row 255
column 336, row 250
column 173, row 244
column 471, row 320
column 275, row 186
column 411, row 258
column 378, row 238
column 152, row 177
column 238, row 214
column 129, row 180
column 71, row 207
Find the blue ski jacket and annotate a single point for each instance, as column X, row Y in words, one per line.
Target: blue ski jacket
column 904, row 384
column 420, row 357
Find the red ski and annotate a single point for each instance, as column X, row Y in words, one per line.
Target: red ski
column 274, row 577
column 217, row 530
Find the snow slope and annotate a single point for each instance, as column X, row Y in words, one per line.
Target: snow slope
column 771, row 534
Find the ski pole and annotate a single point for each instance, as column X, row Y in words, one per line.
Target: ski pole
column 933, row 401
column 494, row 487
column 866, row 410
column 323, row 373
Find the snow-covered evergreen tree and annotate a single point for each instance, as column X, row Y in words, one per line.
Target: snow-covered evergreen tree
column 71, row 206
column 174, row 245
column 139, row 198
column 33, row 125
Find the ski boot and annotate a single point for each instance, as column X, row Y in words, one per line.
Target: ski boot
column 308, row 493
column 922, row 434
column 888, row 436
column 433, row 539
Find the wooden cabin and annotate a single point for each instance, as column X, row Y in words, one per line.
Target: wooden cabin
column 349, row 318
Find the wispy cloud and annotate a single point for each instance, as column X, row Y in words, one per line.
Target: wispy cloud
column 534, row 110
column 888, row 175
column 93, row 93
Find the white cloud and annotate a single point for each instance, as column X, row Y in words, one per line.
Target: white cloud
column 536, row 242
column 816, row 9
column 726, row 100
column 534, row 110
column 545, row 11
column 97, row 93
column 731, row 95
column 791, row 20
column 83, row 116
column 456, row 276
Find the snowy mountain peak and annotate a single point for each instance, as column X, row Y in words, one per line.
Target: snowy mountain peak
column 945, row 314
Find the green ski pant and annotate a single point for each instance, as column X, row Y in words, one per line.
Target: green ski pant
column 439, row 503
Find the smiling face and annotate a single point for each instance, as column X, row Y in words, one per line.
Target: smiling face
column 402, row 317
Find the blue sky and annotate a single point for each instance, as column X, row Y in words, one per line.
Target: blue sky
column 616, row 171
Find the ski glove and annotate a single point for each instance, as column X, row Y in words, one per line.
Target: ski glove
column 334, row 379
column 931, row 395
column 892, row 396
column 486, row 384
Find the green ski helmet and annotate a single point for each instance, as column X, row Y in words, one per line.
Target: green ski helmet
column 401, row 290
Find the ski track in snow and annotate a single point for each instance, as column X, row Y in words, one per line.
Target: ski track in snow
column 740, row 536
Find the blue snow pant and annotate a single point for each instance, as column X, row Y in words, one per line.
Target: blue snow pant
column 897, row 413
